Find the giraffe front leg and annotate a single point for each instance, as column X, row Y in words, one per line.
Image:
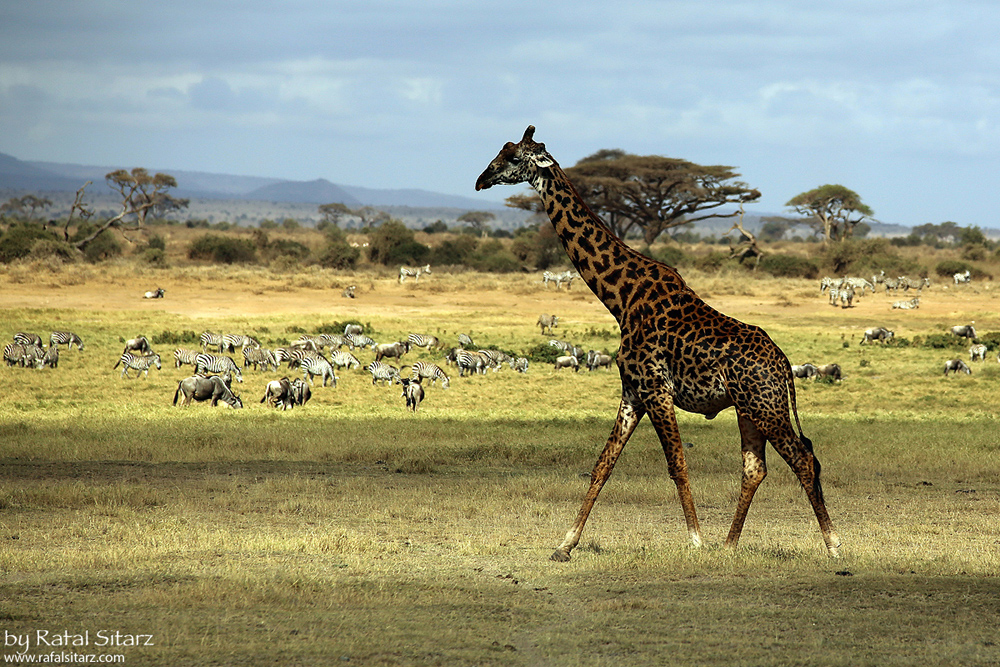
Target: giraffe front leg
column 665, row 422
column 754, row 472
column 629, row 415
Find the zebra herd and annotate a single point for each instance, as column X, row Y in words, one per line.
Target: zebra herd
column 28, row 351
column 843, row 291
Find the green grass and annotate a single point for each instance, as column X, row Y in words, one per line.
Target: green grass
column 351, row 531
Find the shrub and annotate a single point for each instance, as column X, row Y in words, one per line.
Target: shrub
column 492, row 256
column 713, row 261
column 104, row 246
column 950, row 267
column 454, row 252
column 866, row 256
column 155, row 257
column 215, row 248
column 51, row 248
column 543, row 353
column 18, row 241
column 789, row 266
column 671, row 255
column 990, row 339
column 393, row 243
column 166, row 337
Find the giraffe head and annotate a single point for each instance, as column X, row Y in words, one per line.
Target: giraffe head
column 516, row 163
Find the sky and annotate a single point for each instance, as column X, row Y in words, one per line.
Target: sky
column 897, row 100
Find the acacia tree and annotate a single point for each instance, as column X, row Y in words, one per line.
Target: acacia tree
column 334, row 213
column 837, row 210
column 655, row 193
column 478, row 220
column 141, row 193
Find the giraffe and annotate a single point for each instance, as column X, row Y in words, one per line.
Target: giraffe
column 676, row 352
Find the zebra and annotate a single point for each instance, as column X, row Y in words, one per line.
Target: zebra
column 805, row 371
column 413, row 392
column 960, row 278
column 834, row 295
column 548, row 277
column 846, row 293
column 330, row 340
column 34, row 355
column 232, row 341
column 956, row 366
column 907, row 305
column 826, row 283
column 909, row 283
column 211, row 339
column 216, row 363
column 559, row 278
column 415, row 273
column 314, row 364
column 495, row 358
column 27, row 338
column 520, row 365
column 154, row 294
column 137, row 362
column 422, row 369
column 396, row 350
column 879, row 278
column 567, row 361
column 51, row 357
column 469, row 362
column 138, row 344
column 465, row 341
column 183, row 356
column 13, row 354
column 978, row 352
column 858, row 284
column 259, row 358
column 547, row 322
column 309, row 342
column 561, row 345
column 382, row 372
column 880, row 334
column 353, row 328
column 423, row 340
column 67, row 338
column 359, row 340
column 891, row 284
column 343, row 359
column 348, row 293
column 965, row 331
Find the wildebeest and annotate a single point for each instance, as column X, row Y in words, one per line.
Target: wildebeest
column 831, row 371
column 880, row 334
column 278, row 392
column 355, row 329
column 964, row 331
column 155, row 294
column 203, row 388
column 568, row 361
column 547, row 322
column 597, row 359
column 413, row 392
column 138, row 344
column 397, row 350
column 805, row 371
column 957, row 366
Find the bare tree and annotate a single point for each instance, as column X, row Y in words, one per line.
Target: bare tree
column 141, row 193
column 747, row 247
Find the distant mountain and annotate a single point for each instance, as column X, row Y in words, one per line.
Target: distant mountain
column 19, row 175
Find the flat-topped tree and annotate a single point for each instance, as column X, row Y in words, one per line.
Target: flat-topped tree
column 676, row 351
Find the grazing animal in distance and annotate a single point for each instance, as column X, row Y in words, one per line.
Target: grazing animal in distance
column 911, row 304
column 353, row 329
column 202, row 388
column 383, row 372
column 547, row 323
column 978, row 352
column 67, row 338
column 155, row 294
column 278, row 392
column 880, row 334
column 829, row 371
column 348, row 293
column 676, row 352
column 956, row 366
column 965, row 331
column 28, row 339
column 138, row 344
column 216, row 363
column 413, row 392
column 433, row 372
column 520, row 365
column 964, row 277
column 415, row 273
column 597, row 360
column 465, row 341
column 137, row 362
column 805, row 371
column 568, row 361
column 395, row 350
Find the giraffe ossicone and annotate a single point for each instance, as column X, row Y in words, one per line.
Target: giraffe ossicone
column 676, row 352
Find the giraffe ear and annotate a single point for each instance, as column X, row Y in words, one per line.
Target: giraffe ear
column 542, row 158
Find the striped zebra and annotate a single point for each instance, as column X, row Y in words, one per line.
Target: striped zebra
column 315, row 364
column 826, row 283
column 423, row 340
column 51, row 357
column 260, row 358
column 846, row 293
column 211, row 339
column 559, row 278
column 383, row 372
column 909, row 283
column 560, row 345
column 910, row 304
column 331, row 340
column 465, row 341
column 184, row 356
column 216, row 363
column 137, row 362
column 348, row 292
column 961, row 278
column 859, row 285
column 13, row 354
column 978, row 352
column 520, row 365
column 232, row 341
column 343, row 359
column 67, row 338
column 891, row 284
column 359, row 340
column 469, row 362
column 34, row 356
column 834, row 295
column 433, row 372
column 415, row 273
column 309, row 342
column 293, row 355
column 27, row 338
column 495, row 358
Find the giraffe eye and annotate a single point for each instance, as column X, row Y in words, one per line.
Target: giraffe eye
column 515, row 159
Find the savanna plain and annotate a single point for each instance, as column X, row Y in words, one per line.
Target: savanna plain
column 350, row 531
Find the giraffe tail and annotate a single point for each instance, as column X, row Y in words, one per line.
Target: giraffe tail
column 806, row 442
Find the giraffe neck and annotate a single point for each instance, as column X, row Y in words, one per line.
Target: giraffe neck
column 609, row 267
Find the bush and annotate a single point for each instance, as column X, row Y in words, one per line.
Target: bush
column 950, row 267
column 166, row 337
column 713, row 261
column 215, row 248
column 789, row 266
column 155, row 257
column 18, row 241
column 672, row 255
column 991, row 340
column 104, row 246
column 493, row 257
column 453, row 252
column 393, row 243
column 866, row 256
column 50, row 248
column 940, row 341
column 543, row 353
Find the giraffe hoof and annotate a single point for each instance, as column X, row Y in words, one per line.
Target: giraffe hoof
column 560, row 556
